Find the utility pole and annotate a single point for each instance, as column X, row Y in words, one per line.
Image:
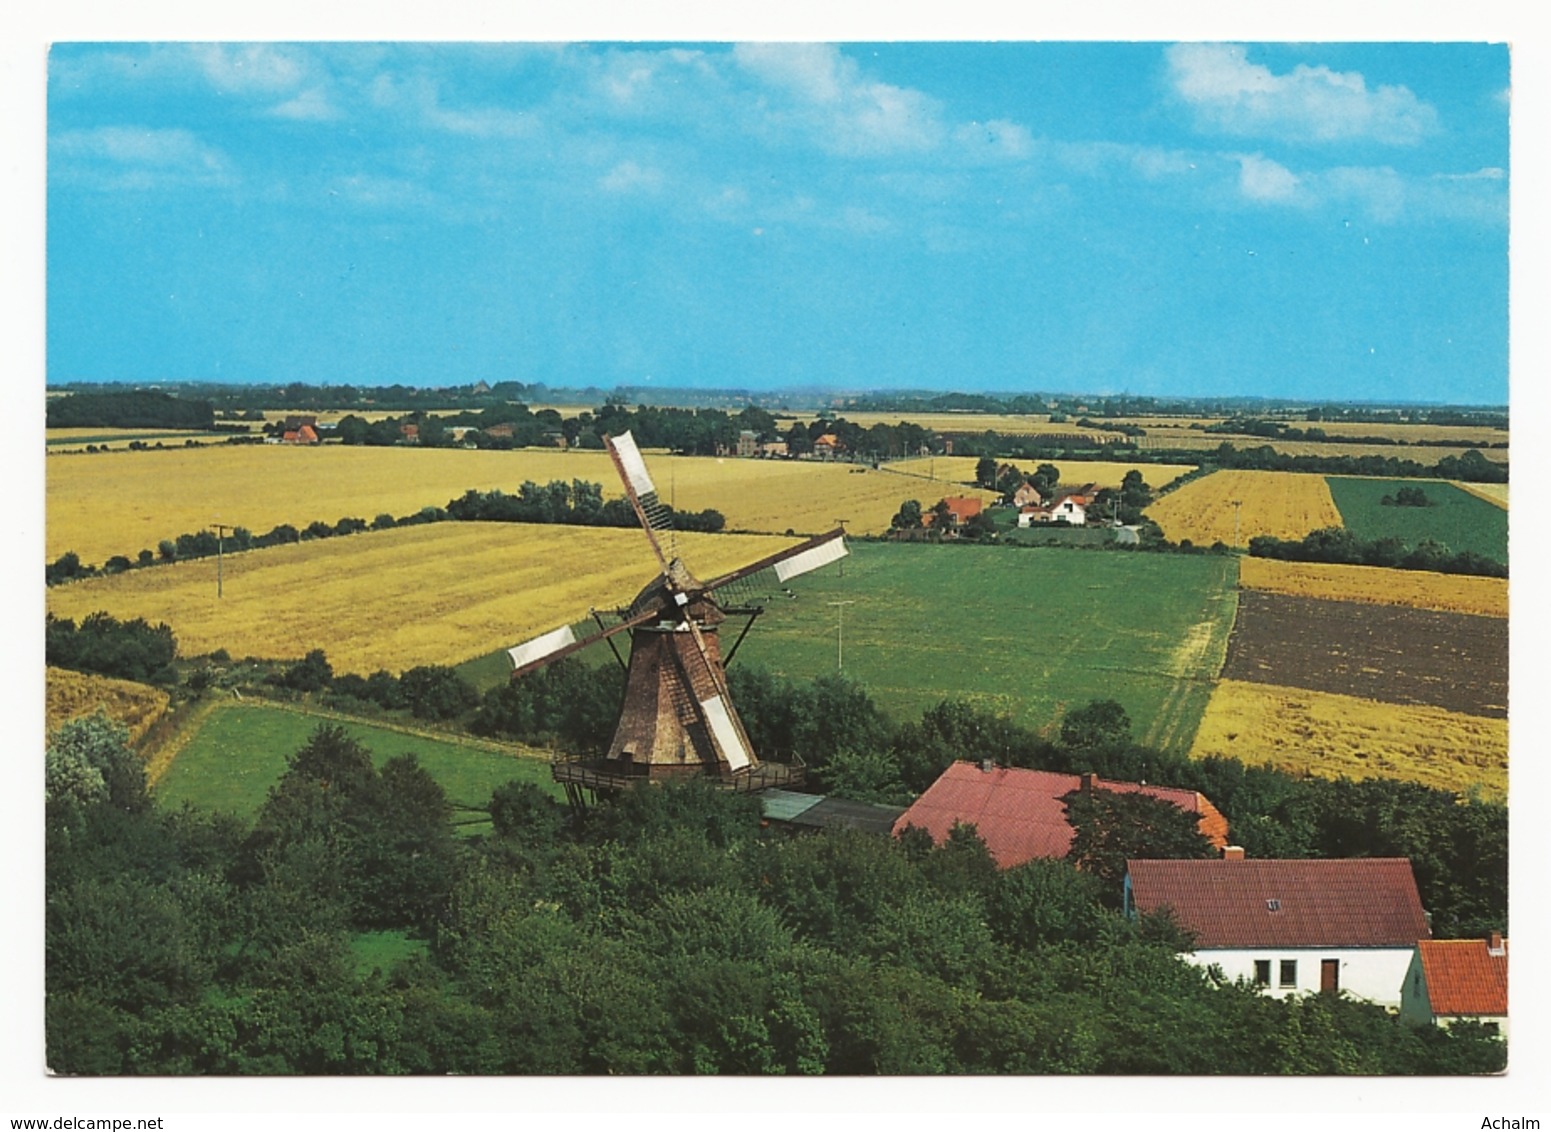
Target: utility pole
column 840, row 632
column 220, row 541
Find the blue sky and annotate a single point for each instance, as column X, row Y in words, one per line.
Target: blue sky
column 1315, row 220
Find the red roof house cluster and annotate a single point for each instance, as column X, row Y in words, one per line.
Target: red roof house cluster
column 1019, row 814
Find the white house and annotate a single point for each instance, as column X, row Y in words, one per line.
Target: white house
column 1454, row 980
column 1289, row 926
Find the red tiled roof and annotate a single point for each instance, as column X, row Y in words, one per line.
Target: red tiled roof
column 1464, row 977
column 963, row 506
column 1358, row 902
column 1019, row 814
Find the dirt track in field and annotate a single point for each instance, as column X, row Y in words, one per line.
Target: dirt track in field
column 1392, row 654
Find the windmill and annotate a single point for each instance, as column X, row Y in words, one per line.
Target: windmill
column 677, row 720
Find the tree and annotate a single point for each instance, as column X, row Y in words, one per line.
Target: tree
column 436, row 692
column 908, row 517
column 985, row 471
column 1097, row 723
column 310, row 674
column 1111, row 826
column 89, row 760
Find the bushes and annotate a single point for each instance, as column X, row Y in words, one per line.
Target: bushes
column 1341, row 546
column 130, row 650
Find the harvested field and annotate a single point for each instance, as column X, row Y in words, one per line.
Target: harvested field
column 1494, row 493
column 1283, row 504
column 1333, row 736
column 120, row 503
column 1075, row 473
column 1389, row 653
column 1453, row 593
column 435, row 594
column 1419, row 590
column 1175, row 441
column 71, row 695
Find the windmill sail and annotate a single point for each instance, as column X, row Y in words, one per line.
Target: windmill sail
column 632, row 468
column 551, row 646
column 811, row 559
column 726, row 735
column 789, row 563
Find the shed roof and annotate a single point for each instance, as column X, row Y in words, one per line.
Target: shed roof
column 1019, row 814
column 1349, row 902
column 1464, row 977
column 817, row 811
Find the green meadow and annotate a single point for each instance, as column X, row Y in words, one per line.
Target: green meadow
column 1455, row 518
column 1026, row 632
column 242, row 750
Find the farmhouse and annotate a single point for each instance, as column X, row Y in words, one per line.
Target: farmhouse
column 1027, row 495
column 1292, row 926
column 305, row 434
column 774, row 448
column 1019, row 813
column 1454, row 980
column 409, row 433
column 825, row 447
column 502, row 430
column 748, row 442
column 961, row 509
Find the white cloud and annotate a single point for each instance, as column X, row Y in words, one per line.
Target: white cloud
column 819, row 91
column 1309, row 104
column 627, row 177
column 129, row 157
column 997, row 139
column 256, row 68
column 1261, row 179
column 311, row 105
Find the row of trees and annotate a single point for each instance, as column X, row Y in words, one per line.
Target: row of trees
column 556, row 502
column 662, row 933
column 1341, row 545
column 137, row 408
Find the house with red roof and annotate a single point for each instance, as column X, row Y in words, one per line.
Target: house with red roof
column 1292, row 926
column 1457, row 980
column 961, row 509
column 1019, row 813
column 305, row 434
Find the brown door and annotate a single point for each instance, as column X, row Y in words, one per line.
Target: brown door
column 1329, row 976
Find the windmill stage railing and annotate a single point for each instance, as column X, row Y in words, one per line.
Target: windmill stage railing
column 593, row 773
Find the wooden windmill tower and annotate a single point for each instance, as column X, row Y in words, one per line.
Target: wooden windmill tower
column 677, row 720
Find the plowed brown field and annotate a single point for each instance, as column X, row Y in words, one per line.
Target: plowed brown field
column 1389, row 653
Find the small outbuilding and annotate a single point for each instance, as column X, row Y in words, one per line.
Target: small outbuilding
column 1457, row 980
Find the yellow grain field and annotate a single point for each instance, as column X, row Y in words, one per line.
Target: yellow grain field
column 434, row 594
column 1496, row 493
column 70, row 695
column 122, row 503
column 1452, row 593
column 1330, row 736
column 1176, row 441
column 1105, row 473
column 1283, row 504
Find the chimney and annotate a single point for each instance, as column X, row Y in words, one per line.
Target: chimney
column 1089, row 781
column 1233, row 852
column 987, row 765
column 1494, row 944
